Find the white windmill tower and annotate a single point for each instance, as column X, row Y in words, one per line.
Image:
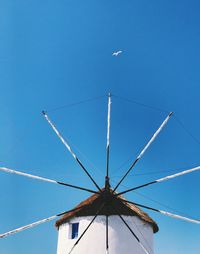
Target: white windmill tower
column 105, row 222
column 121, row 217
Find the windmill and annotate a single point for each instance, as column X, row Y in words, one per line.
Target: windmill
column 106, row 202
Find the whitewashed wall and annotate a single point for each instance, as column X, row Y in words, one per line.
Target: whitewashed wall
column 121, row 241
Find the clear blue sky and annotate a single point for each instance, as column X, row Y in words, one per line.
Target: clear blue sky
column 54, row 53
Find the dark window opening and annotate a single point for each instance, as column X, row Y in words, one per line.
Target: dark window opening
column 74, row 227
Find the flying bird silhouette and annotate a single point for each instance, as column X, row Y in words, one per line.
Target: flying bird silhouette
column 117, row 53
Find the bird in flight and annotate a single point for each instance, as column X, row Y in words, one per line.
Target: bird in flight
column 117, row 53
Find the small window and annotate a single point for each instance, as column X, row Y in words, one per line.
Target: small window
column 74, row 230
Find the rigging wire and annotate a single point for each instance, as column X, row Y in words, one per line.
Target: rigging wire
column 142, row 104
column 186, row 129
column 124, row 163
column 75, row 146
column 76, row 103
column 88, row 160
column 145, row 240
column 20, row 138
column 143, row 174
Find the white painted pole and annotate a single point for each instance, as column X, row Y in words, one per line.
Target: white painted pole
column 108, row 136
column 154, row 135
column 166, row 178
column 8, row 170
column 145, row 148
column 178, row 174
column 108, row 120
column 34, row 224
column 179, row 217
column 17, row 230
column 69, row 149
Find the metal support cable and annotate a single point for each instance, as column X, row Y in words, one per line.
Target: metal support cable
column 141, row 104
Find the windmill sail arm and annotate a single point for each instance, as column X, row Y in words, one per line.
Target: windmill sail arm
column 155, row 135
column 108, row 120
column 161, row 180
column 176, row 216
column 69, row 148
column 145, row 148
column 108, row 136
column 11, row 171
column 34, row 224
column 178, row 174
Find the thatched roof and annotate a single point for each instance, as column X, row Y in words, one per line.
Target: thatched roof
column 115, row 206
